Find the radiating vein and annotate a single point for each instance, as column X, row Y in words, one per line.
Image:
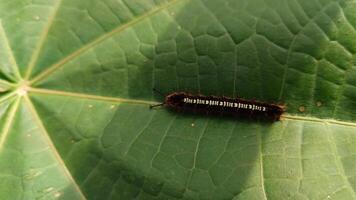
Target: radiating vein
column 8, row 123
column 42, row 40
column 4, row 85
column 88, row 96
column 51, row 145
column 8, row 96
column 100, row 39
column 6, row 44
column 134, row 101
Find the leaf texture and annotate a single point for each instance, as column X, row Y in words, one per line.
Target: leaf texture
column 76, row 81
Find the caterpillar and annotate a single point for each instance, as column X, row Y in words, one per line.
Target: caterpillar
column 238, row 107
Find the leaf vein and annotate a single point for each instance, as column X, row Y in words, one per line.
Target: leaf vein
column 290, row 49
column 8, row 123
column 42, row 40
column 51, row 145
column 88, row 96
column 7, row 47
column 99, row 40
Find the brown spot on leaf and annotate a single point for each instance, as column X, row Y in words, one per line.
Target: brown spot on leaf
column 301, row 108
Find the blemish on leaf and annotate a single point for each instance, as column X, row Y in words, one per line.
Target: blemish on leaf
column 319, row 104
column 57, row 194
column 31, row 174
column 45, row 192
column 301, row 108
column 112, row 106
column 49, row 189
column 29, row 135
column 36, row 17
column 192, row 124
column 90, row 106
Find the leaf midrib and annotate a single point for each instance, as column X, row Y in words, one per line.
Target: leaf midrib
column 88, row 96
column 143, row 102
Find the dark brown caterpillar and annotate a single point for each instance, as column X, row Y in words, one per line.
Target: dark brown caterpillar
column 181, row 101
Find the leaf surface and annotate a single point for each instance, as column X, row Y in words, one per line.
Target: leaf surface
column 76, row 81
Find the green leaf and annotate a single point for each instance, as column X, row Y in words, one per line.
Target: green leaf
column 76, row 81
